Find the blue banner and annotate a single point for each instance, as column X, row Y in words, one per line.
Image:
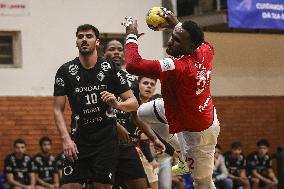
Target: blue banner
column 257, row 14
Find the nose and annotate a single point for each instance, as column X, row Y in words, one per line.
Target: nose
column 170, row 42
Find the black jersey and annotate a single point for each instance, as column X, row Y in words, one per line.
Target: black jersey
column 124, row 117
column 260, row 164
column 235, row 165
column 20, row 168
column 46, row 167
column 93, row 121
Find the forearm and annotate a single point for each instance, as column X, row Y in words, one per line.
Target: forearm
column 13, row 182
column 33, row 178
column 259, row 176
column 60, row 123
column 56, row 179
column 138, row 66
column 41, row 182
column 129, row 105
column 144, row 128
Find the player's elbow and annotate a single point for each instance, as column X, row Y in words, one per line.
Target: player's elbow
column 135, row 105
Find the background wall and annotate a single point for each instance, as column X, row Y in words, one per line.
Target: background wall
column 48, row 38
column 247, row 64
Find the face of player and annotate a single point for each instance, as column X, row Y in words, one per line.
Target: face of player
column 236, row 152
column 87, row 42
column 20, row 149
column 114, row 52
column 147, row 87
column 262, row 150
column 46, row 147
column 179, row 43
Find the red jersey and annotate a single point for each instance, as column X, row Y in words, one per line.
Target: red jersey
column 185, row 85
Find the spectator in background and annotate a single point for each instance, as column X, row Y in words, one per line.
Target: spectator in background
column 220, row 172
column 19, row 168
column 259, row 165
column 236, row 163
column 47, row 174
column 147, row 87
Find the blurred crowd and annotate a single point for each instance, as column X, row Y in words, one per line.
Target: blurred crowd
column 232, row 169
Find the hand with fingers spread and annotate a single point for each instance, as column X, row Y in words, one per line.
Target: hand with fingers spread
column 171, row 19
column 110, row 99
column 70, row 149
column 131, row 27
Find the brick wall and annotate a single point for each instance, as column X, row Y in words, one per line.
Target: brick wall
column 245, row 119
column 29, row 118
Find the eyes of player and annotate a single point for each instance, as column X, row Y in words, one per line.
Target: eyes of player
column 88, row 36
column 120, row 49
column 147, row 83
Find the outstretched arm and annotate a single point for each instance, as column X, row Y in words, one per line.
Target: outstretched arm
column 134, row 62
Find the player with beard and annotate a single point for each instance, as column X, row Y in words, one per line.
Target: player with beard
column 236, row 164
column 19, row 168
column 47, row 174
column 130, row 170
column 259, row 167
column 185, row 87
column 91, row 84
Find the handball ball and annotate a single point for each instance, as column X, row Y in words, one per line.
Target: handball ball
column 154, row 19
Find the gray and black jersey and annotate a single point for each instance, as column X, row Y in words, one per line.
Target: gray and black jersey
column 93, row 121
column 46, row 167
column 20, row 168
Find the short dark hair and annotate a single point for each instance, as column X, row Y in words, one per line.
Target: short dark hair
column 85, row 27
column 218, row 146
column 141, row 77
column 236, row 145
column 263, row 142
column 196, row 33
column 19, row 141
column 111, row 40
column 44, row 139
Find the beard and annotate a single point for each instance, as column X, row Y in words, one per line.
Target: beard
column 86, row 52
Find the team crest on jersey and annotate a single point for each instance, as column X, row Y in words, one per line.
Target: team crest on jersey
column 105, row 66
column 60, row 82
column 101, row 76
column 73, row 69
column 121, row 78
column 130, row 79
column 167, row 64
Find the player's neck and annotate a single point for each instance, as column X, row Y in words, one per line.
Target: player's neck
column 143, row 99
column 19, row 156
column 44, row 154
column 88, row 61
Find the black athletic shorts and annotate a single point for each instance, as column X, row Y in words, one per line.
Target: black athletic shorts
column 100, row 167
column 129, row 164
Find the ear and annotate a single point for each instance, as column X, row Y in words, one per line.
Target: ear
column 97, row 42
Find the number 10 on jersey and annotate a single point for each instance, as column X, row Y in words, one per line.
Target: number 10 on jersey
column 91, row 99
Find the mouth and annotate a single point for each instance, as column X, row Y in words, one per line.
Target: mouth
column 148, row 91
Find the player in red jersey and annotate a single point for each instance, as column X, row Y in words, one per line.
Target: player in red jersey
column 185, row 87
